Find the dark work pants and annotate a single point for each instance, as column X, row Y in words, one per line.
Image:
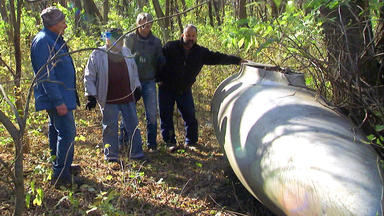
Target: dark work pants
column 186, row 107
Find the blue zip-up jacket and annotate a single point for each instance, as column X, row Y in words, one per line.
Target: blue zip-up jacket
column 58, row 85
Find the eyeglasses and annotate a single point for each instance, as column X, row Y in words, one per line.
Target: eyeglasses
column 146, row 26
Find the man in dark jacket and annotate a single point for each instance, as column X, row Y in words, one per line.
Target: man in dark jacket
column 184, row 60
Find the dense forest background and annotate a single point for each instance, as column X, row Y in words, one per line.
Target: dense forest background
column 337, row 44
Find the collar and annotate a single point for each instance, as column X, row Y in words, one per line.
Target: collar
column 51, row 33
column 141, row 37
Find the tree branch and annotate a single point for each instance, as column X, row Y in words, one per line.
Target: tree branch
column 13, row 131
column 18, row 118
column 7, row 66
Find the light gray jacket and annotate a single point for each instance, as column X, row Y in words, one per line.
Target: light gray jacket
column 96, row 74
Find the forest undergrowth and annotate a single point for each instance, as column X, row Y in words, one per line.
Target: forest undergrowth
column 188, row 182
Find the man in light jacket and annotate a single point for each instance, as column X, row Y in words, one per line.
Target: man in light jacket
column 111, row 79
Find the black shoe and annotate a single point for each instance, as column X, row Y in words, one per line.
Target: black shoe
column 171, row 147
column 75, row 169
column 67, row 183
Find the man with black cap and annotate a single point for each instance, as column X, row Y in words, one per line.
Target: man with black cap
column 56, row 93
column 111, row 79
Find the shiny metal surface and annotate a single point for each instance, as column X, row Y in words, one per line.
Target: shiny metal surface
column 292, row 152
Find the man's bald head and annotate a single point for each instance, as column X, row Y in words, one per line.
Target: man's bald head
column 189, row 36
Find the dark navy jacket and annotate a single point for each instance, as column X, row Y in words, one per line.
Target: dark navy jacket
column 58, row 86
column 180, row 71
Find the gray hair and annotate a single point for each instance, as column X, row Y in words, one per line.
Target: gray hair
column 190, row 26
column 51, row 16
column 144, row 16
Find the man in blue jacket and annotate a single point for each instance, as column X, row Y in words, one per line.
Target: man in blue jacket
column 184, row 60
column 55, row 92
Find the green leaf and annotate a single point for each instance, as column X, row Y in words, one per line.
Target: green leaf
column 277, row 2
column 39, row 197
column 333, row 4
column 27, row 199
column 379, row 128
column 109, row 177
column 33, row 186
column 371, row 137
column 240, row 43
column 199, row 165
column 80, row 138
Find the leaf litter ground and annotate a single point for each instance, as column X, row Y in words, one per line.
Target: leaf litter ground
column 187, row 182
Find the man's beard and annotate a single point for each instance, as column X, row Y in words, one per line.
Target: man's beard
column 188, row 43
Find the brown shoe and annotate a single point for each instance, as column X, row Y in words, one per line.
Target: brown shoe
column 114, row 164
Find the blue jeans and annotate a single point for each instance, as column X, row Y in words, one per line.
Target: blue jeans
column 61, row 134
column 148, row 91
column 110, row 130
column 186, row 107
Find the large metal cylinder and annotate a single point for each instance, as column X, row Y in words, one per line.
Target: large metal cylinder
column 291, row 151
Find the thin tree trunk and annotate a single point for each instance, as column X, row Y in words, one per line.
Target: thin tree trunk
column 242, row 10
column 210, row 14
column 179, row 22
column 19, row 179
column 92, row 11
column 379, row 44
column 78, row 9
column 16, row 44
column 184, row 5
column 275, row 9
column 19, row 174
column 159, row 14
column 3, row 11
column 167, row 12
column 216, row 5
column 106, row 11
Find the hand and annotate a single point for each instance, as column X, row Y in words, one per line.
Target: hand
column 91, row 103
column 243, row 61
column 160, row 83
column 137, row 94
column 62, row 109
